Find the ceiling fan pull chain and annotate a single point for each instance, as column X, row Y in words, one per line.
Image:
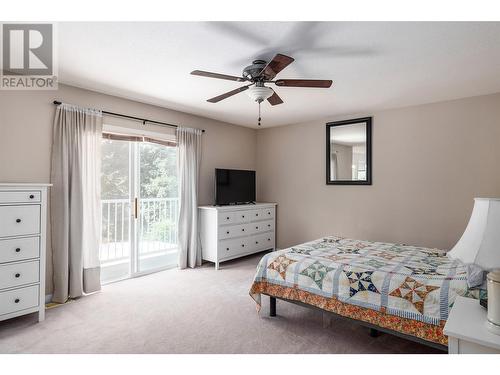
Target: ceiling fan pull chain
column 259, row 114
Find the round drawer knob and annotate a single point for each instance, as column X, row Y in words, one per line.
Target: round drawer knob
column 243, row 216
column 227, row 232
column 243, row 230
column 256, row 214
column 18, row 220
column 227, row 248
column 242, row 245
column 17, row 275
column 17, row 300
column 268, row 225
column 227, row 218
column 32, row 196
column 256, row 227
column 269, row 239
column 269, row 213
column 18, row 250
column 256, row 242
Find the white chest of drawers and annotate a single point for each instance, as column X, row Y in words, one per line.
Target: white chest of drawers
column 229, row 232
column 23, row 223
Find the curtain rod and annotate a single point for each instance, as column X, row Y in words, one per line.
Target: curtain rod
column 143, row 120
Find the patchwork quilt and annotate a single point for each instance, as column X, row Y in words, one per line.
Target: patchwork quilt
column 357, row 278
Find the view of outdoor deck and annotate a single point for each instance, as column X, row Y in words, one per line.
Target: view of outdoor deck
column 157, row 227
column 157, row 232
column 131, row 245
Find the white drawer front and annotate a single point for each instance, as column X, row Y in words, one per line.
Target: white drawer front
column 230, row 231
column 17, row 274
column 257, row 214
column 19, row 220
column 261, row 226
column 19, row 299
column 267, row 225
column 264, row 241
column 266, row 213
column 226, row 218
column 254, row 228
column 20, row 196
column 243, row 216
column 233, row 247
column 19, row 249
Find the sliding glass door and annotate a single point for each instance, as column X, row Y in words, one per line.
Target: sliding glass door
column 139, row 208
column 157, row 207
column 117, row 222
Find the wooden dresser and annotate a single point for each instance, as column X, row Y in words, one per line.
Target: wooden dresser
column 229, row 232
column 23, row 225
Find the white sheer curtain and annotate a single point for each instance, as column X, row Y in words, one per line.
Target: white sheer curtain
column 189, row 144
column 75, row 201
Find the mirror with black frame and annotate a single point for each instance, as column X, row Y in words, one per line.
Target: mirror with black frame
column 348, row 152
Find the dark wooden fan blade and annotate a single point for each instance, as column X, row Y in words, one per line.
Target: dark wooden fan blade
column 228, row 94
column 276, row 65
column 322, row 83
column 274, row 99
column 202, row 73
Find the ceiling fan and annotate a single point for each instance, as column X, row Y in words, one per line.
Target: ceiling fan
column 260, row 73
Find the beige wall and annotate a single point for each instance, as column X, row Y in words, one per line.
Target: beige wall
column 429, row 162
column 26, row 129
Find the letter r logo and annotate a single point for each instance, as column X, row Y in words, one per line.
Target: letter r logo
column 27, row 49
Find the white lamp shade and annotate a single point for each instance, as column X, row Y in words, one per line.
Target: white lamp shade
column 259, row 93
column 480, row 243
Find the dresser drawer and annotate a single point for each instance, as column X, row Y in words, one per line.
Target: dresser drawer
column 233, row 247
column 243, row 216
column 230, row 231
column 256, row 214
column 20, row 196
column 226, row 218
column 263, row 241
column 19, row 299
column 266, row 213
column 19, row 220
column 17, row 274
column 262, row 226
column 19, row 249
column 235, row 217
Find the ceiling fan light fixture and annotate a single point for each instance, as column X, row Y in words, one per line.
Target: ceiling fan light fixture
column 259, row 93
column 258, row 74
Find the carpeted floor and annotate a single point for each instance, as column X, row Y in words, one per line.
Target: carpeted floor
column 191, row 311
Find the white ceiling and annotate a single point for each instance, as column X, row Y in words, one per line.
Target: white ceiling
column 374, row 65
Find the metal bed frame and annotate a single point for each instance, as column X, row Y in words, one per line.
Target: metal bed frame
column 374, row 329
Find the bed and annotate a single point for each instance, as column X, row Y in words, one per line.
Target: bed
column 400, row 289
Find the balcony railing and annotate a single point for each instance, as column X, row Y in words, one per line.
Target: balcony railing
column 157, row 228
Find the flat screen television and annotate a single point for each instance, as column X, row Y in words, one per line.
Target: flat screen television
column 233, row 186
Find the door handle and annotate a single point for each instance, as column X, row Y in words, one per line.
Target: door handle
column 136, row 208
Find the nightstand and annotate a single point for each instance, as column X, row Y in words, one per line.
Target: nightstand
column 466, row 329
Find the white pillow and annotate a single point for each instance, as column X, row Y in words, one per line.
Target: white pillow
column 475, row 276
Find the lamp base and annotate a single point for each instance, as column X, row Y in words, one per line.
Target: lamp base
column 493, row 328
